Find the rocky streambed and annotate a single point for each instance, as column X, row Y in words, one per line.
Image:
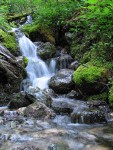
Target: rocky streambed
column 19, row 132
column 47, row 114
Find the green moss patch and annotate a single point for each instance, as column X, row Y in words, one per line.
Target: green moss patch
column 102, row 96
column 88, row 73
column 40, row 31
column 8, row 41
column 25, row 59
column 111, row 96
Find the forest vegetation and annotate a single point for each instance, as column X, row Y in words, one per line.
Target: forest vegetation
column 89, row 21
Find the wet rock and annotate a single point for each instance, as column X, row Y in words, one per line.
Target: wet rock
column 39, row 110
column 21, row 99
column 4, row 98
column 58, row 146
column 74, row 65
column 11, row 73
column 94, row 112
column 41, row 95
column 26, row 147
column 62, row 106
column 25, row 84
column 62, row 81
column 68, row 37
column 20, row 60
column 45, row 50
column 4, row 137
column 63, row 61
column 88, row 117
column 50, row 92
column 74, row 94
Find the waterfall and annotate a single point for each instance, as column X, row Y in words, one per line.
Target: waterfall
column 37, row 70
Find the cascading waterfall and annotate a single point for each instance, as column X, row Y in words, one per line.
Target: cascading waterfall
column 37, row 70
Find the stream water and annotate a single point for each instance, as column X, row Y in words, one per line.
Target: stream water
column 21, row 133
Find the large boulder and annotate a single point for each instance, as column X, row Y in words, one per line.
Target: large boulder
column 91, row 79
column 21, row 99
column 45, row 50
column 62, row 81
column 38, row 110
column 11, row 73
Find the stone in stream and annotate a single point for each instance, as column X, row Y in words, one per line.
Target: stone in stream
column 95, row 112
column 62, row 81
column 74, row 94
column 37, row 110
column 25, row 147
column 63, row 61
column 43, row 96
column 45, row 50
column 21, row 99
column 58, row 146
column 62, row 105
column 74, row 65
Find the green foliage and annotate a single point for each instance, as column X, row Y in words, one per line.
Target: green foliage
column 25, row 59
column 55, row 12
column 88, row 73
column 31, row 28
column 111, row 96
column 8, row 41
column 103, row 97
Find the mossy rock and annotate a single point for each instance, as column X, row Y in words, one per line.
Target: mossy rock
column 90, row 79
column 45, row 50
column 38, row 32
column 111, row 96
column 103, row 97
column 8, row 41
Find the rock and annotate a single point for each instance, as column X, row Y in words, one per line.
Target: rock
column 58, row 146
column 88, row 117
column 68, row 37
column 25, row 146
column 74, row 94
column 39, row 110
column 4, row 98
column 45, row 50
column 62, row 81
column 74, row 65
column 20, row 60
column 63, row 61
column 21, row 99
column 62, row 105
column 40, row 95
column 90, row 79
column 11, row 73
column 25, row 84
column 94, row 112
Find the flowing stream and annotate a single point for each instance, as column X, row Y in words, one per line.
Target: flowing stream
column 37, row 70
column 20, row 133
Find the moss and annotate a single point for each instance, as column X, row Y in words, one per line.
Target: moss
column 102, row 96
column 38, row 29
column 111, row 96
column 25, row 59
column 31, row 28
column 8, row 41
column 48, row 34
column 88, row 73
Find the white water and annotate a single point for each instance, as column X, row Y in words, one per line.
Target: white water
column 37, row 70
